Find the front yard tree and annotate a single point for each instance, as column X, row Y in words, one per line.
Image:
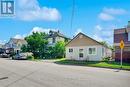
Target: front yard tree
column 37, row 44
column 24, row 48
column 59, row 49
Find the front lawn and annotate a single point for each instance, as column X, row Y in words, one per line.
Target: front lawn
column 111, row 64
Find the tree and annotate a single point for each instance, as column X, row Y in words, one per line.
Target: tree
column 104, row 43
column 107, row 45
column 57, row 51
column 37, row 44
column 60, row 49
column 24, row 48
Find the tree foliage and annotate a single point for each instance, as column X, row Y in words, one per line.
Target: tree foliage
column 107, row 45
column 57, row 51
column 24, row 48
column 37, row 44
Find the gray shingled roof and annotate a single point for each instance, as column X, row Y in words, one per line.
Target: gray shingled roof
column 55, row 34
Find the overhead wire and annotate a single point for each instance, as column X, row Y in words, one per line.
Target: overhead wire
column 72, row 15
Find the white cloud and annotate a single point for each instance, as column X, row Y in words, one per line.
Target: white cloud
column 106, row 17
column 98, row 38
column 35, row 29
column 30, row 10
column 114, row 11
column 103, row 34
column 78, row 31
column 98, row 27
column 108, row 14
column 18, row 36
column 2, row 42
column 40, row 29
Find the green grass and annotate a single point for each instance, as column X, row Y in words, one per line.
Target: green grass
column 51, row 59
column 111, row 64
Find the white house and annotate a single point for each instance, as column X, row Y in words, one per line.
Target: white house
column 16, row 44
column 82, row 47
column 55, row 36
column 1, row 45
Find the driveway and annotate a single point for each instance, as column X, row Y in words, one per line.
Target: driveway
column 23, row 73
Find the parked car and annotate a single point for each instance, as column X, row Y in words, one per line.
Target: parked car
column 20, row 56
column 2, row 51
column 4, row 55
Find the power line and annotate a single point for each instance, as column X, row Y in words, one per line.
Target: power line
column 72, row 16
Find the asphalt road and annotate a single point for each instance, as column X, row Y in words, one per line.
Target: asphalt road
column 23, row 73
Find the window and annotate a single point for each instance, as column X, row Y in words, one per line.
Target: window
column 80, row 54
column 80, row 50
column 92, row 51
column 70, row 50
column 128, row 36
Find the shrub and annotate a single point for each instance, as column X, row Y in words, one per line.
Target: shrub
column 30, row 57
column 106, row 59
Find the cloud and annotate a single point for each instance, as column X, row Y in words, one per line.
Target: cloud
column 98, row 38
column 40, row 29
column 109, row 14
column 18, row 36
column 35, row 29
column 98, row 27
column 2, row 42
column 103, row 34
column 29, row 10
column 105, row 17
column 114, row 11
column 78, row 31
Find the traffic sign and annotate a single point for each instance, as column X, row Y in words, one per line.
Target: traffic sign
column 122, row 47
column 122, row 44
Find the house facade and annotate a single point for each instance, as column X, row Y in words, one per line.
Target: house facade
column 82, row 47
column 1, row 45
column 16, row 44
column 122, row 34
column 55, row 36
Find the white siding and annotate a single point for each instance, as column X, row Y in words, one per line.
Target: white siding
column 59, row 39
column 50, row 40
column 75, row 54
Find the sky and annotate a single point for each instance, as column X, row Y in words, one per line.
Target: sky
column 95, row 18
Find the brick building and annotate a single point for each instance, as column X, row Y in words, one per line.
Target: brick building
column 122, row 34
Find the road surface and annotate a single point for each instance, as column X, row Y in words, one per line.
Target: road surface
column 23, row 73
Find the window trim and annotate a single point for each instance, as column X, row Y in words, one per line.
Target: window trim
column 95, row 51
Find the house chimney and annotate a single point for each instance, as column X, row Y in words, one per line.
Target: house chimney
column 128, row 26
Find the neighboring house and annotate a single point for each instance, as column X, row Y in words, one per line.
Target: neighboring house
column 16, row 44
column 54, row 37
column 122, row 34
column 1, row 45
column 82, row 47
